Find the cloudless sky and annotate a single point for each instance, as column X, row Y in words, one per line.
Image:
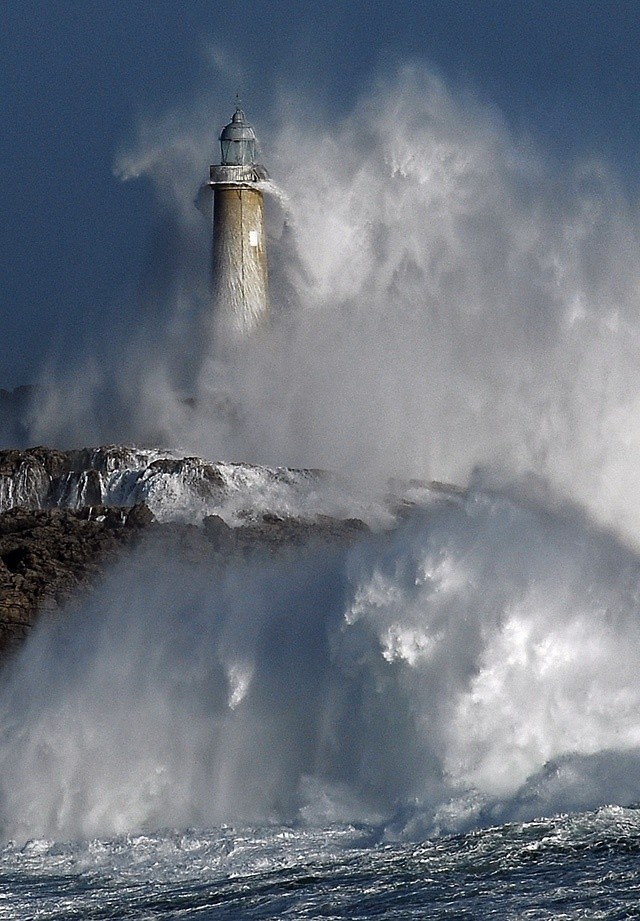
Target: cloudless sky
column 76, row 76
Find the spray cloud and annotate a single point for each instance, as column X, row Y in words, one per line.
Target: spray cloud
column 449, row 298
column 457, row 672
column 452, row 302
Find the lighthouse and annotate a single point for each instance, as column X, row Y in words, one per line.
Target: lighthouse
column 239, row 256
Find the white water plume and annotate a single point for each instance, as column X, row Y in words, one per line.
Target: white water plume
column 445, row 295
column 448, row 300
column 474, row 665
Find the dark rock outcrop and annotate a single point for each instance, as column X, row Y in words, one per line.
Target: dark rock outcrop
column 46, row 556
column 176, row 487
column 275, row 533
column 66, row 515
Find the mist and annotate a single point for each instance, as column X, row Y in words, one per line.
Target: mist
column 445, row 297
column 450, row 674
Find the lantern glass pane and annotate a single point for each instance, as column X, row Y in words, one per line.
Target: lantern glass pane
column 237, row 153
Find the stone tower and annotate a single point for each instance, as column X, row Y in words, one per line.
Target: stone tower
column 239, row 265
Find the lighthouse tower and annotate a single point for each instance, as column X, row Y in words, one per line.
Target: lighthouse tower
column 239, row 265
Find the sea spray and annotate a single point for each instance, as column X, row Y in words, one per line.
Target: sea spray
column 474, row 664
column 446, row 295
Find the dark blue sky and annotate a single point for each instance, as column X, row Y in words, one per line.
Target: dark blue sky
column 77, row 77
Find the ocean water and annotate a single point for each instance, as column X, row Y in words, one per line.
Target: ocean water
column 438, row 720
column 567, row 867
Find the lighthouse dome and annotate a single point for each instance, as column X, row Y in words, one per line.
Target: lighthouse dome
column 238, row 141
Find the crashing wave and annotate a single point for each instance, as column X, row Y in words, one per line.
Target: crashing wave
column 179, row 488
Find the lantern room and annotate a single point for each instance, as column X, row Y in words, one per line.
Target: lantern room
column 238, row 141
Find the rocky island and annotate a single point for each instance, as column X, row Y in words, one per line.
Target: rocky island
column 66, row 516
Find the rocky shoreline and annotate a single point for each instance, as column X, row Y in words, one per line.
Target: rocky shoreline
column 67, row 516
column 58, row 536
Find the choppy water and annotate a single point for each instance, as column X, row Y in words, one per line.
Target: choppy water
column 579, row 866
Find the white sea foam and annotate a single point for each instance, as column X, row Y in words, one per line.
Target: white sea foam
column 179, row 488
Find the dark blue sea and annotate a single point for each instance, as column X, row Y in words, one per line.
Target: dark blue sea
column 579, row 866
